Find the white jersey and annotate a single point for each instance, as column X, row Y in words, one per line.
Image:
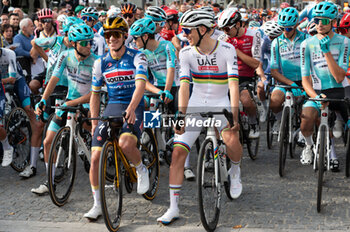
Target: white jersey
column 98, row 46
column 210, row 73
column 158, row 37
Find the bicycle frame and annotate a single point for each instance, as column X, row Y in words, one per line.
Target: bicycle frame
column 288, row 105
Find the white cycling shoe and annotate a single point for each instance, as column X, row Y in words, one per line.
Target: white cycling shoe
column 142, row 180
column 236, row 184
column 94, row 212
column 307, row 155
column 170, row 216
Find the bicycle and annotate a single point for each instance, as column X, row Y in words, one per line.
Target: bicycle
column 289, row 127
column 212, row 149
column 115, row 169
column 63, row 152
column 18, row 129
column 271, row 119
column 322, row 148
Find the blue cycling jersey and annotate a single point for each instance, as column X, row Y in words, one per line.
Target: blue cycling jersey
column 120, row 75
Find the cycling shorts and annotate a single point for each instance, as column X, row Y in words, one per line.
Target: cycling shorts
column 284, row 90
column 116, row 109
column 40, row 77
column 244, row 82
column 23, row 92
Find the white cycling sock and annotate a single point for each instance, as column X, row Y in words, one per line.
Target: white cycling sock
column 5, row 144
column 47, row 168
column 187, row 162
column 235, row 166
column 34, row 155
column 309, row 141
column 139, row 166
column 174, row 191
column 96, row 195
column 333, row 155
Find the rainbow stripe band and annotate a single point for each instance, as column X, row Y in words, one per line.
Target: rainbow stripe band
column 182, row 145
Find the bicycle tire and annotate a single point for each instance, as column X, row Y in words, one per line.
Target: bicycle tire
column 61, row 187
column 347, row 160
column 227, row 184
column 19, row 133
column 269, row 125
column 284, row 142
column 253, row 146
column 169, row 151
column 206, row 152
column 111, row 192
column 151, row 160
column 321, row 163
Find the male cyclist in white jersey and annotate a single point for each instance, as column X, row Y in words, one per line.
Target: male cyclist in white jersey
column 212, row 65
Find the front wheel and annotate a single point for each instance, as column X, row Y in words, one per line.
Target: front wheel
column 284, row 142
column 321, row 166
column 208, row 186
column 269, row 132
column 110, row 186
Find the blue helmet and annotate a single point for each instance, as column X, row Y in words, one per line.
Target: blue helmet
column 289, row 17
column 69, row 21
column 142, row 26
column 90, row 11
column 325, row 9
column 79, row 32
column 156, row 13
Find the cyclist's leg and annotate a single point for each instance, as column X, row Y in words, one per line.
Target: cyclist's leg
column 276, row 101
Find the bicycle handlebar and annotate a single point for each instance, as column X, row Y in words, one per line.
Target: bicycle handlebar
column 289, row 87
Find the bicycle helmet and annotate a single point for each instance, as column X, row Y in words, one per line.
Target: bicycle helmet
column 102, row 13
column 289, row 17
column 311, row 27
column 172, row 15
column 69, row 21
column 256, row 17
column 197, row 18
column 114, row 12
column 207, row 9
column 156, row 13
column 254, row 24
column 243, row 10
column 90, row 11
column 245, row 17
column 264, row 13
column 345, row 21
column 45, row 13
column 229, row 17
column 272, row 29
column 284, row 5
column 116, row 23
column 61, row 18
column 142, row 26
column 128, row 8
column 79, row 32
column 326, row 10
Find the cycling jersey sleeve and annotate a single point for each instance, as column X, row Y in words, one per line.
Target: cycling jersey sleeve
column 12, row 70
column 256, row 48
column 305, row 62
column 275, row 62
column 97, row 77
column 100, row 46
column 61, row 64
column 232, row 67
column 343, row 60
column 141, row 66
column 170, row 55
column 46, row 43
column 184, row 72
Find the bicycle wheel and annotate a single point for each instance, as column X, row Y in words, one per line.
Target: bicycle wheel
column 347, row 161
column 61, row 187
column 111, row 190
column 169, row 150
column 19, row 133
column 253, row 145
column 149, row 154
column 269, row 132
column 321, row 167
column 284, row 142
column 227, row 183
column 209, row 193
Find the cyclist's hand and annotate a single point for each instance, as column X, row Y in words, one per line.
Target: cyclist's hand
column 38, row 111
column 130, row 116
column 296, row 92
column 60, row 112
column 160, row 94
column 168, row 97
column 235, row 127
column 322, row 104
column 324, row 43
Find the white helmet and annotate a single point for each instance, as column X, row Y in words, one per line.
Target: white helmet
column 114, row 12
column 245, row 17
column 311, row 27
column 61, row 18
column 229, row 17
column 197, row 18
column 271, row 28
column 243, row 10
column 274, row 9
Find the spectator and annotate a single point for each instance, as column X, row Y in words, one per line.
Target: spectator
column 4, row 19
column 139, row 13
column 6, row 35
column 14, row 22
column 19, row 12
column 37, row 24
column 5, row 6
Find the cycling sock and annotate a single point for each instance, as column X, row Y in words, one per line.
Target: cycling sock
column 34, row 154
column 5, row 144
column 174, row 196
column 252, row 119
column 47, row 168
column 187, row 162
column 235, row 166
column 309, row 141
column 333, row 155
column 139, row 166
column 96, row 195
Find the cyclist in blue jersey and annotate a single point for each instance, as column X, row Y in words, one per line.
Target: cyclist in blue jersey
column 285, row 60
column 78, row 64
column 124, row 71
column 324, row 63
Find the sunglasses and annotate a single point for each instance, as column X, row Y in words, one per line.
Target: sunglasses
column 115, row 34
column 87, row 18
column 323, row 21
column 227, row 29
column 128, row 16
column 85, row 43
column 161, row 24
column 187, row 31
column 343, row 30
column 287, row 29
column 45, row 20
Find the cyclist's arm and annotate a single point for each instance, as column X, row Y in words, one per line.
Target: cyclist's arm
column 97, row 82
column 39, row 50
column 260, row 72
column 151, row 88
column 50, row 87
column 177, row 44
column 305, row 65
column 279, row 77
column 185, row 76
column 79, row 100
column 170, row 63
column 12, row 68
column 234, row 98
column 253, row 61
column 250, row 61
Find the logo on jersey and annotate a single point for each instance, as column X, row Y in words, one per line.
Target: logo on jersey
column 117, row 76
column 151, row 119
column 109, row 65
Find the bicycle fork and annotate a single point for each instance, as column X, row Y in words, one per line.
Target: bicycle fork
column 324, row 123
column 288, row 105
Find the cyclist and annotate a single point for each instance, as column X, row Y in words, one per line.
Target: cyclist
column 90, row 16
column 324, row 63
column 158, row 16
column 285, row 60
column 213, row 75
column 125, row 94
column 101, row 20
column 128, row 11
column 248, row 47
column 171, row 25
column 271, row 30
column 49, row 28
column 78, row 64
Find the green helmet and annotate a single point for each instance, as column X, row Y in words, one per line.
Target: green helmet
column 142, row 26
column 325, row 9
column 79, row 32
column 289, row 17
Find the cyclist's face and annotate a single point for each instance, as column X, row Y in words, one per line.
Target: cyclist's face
column 191, row 34
column 115, row 40
column 323, row 27
column 138, row 41
column 85, row 50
